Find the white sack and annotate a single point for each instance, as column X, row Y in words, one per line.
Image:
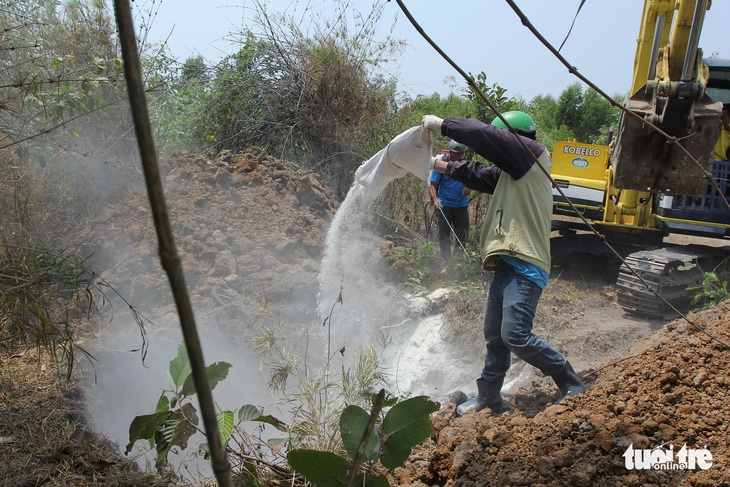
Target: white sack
column 407, row 152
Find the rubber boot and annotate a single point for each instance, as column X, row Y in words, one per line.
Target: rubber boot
column 488, row 397
column 568, row 382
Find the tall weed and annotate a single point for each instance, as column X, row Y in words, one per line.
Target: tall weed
column 41, row 294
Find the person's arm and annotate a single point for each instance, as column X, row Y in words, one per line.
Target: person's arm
column 471, row 174
column 466, row 191
column 498, row 146
column 433, row 189
column 434, row 179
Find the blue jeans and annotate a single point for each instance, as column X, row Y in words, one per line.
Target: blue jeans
column 511, row 306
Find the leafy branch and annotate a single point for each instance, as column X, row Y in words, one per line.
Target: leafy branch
column 404, row 426
column 710, row 292
column 175, row 418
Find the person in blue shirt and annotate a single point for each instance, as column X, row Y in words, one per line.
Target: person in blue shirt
column 450, row 197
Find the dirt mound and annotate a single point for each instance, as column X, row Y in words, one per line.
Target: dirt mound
column 672, row 394
column 245, row 224
column 249, row 229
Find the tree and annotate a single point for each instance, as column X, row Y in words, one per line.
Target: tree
column 64, row 112
column 311, row 97
column 495, row 94
column 568, row 112
column 598, row 116
column 448, row 106
column 176, row 98
column 586, row 114
column 543, row 109
column 194, row 69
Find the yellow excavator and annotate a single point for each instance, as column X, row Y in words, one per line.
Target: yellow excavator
column 653, row 181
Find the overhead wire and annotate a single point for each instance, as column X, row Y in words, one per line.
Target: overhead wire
column 580, row 7
column 472, row 84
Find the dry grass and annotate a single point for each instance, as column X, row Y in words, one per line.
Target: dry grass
column 43, row 440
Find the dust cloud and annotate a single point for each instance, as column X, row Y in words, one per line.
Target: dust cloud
column 249, row 230
column 267, row 250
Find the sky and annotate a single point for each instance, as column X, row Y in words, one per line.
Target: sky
column 478, row 35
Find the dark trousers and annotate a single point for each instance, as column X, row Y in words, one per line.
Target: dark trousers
column 511, row 306
column 458, row 218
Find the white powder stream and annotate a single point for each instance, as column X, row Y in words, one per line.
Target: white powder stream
column 418, row 359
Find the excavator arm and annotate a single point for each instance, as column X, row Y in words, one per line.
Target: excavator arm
column 644, row 188
column 668, row 90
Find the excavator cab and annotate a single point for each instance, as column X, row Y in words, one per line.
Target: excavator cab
column 669, row 91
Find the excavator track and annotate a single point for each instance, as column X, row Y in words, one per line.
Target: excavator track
column 660, row 269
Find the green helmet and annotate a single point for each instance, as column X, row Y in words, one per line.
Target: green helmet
column 457, row 147
column 520, row 121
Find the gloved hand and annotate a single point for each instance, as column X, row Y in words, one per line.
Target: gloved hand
column 433, row 161
column 432, row 122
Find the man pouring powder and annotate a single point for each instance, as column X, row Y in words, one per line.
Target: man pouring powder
column 514, row 242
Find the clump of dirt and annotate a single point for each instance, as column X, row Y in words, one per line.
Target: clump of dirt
column 672, row 394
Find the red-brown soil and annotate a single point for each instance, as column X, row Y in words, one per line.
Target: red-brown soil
column 673, row 391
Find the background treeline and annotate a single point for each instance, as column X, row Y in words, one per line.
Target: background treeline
column 319, row 98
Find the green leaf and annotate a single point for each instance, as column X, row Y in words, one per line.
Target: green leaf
column 163, row 404
column 353, row 423
column 175, row 431
column 191, row 415
column 144, row 427
column 321, row 468
column 250, row 412
column 180, row 366
column 164, row 437
column 178, row 428
column 216, row 372
column 225, row 425
column 711, row 277
column 268, row 419
column 406, row 425
column 249, row 475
